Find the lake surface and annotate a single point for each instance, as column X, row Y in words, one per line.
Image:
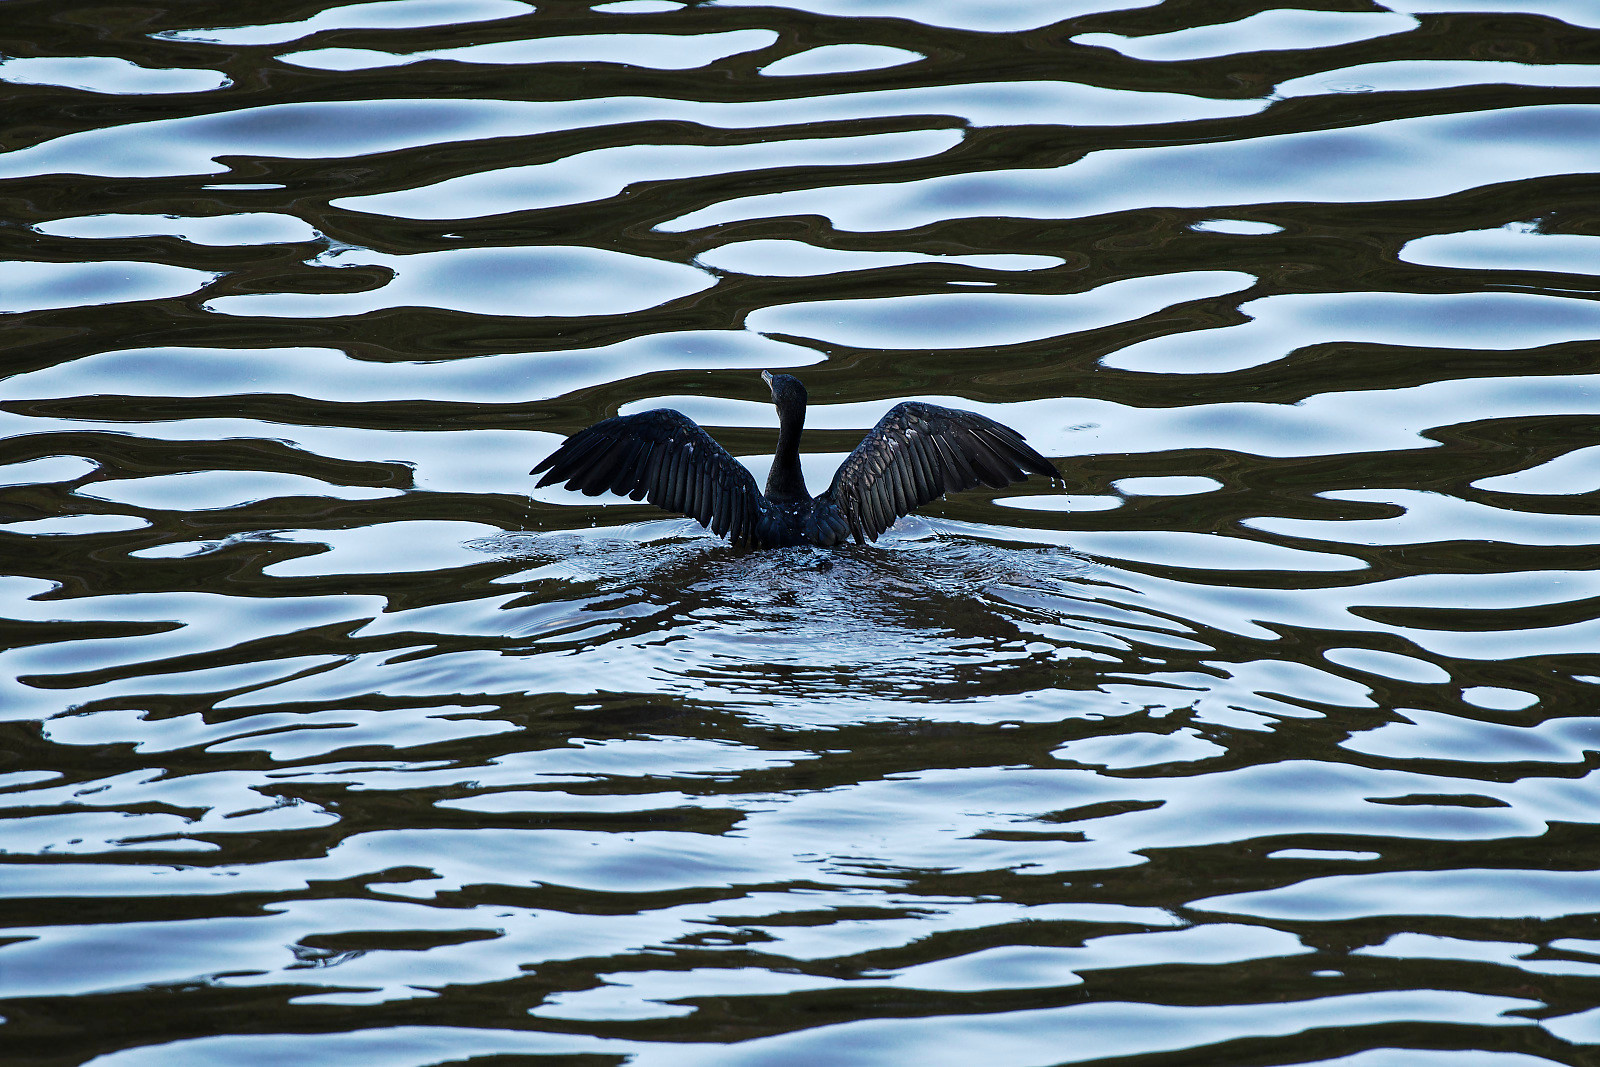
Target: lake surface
column 1271, row 735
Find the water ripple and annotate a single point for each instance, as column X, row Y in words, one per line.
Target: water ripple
column 1268, row 735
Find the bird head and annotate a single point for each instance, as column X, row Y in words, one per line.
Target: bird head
column 786, row 389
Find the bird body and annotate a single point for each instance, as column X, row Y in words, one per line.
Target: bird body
column 916, row 454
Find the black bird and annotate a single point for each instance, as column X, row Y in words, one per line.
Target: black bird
column 916, row 454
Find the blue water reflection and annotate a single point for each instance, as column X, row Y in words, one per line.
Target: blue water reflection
column 1265, row 734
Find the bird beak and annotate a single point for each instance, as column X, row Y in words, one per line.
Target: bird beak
column 766, row 376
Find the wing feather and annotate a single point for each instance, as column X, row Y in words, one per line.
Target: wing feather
column 960, row 473
column 905, row 498
column 597, row 479
column 678, row 490
column 662, row 456
column 639, row 473
column 929, row 486
column 916, row 454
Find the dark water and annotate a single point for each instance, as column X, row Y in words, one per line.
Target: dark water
column 1270, row 738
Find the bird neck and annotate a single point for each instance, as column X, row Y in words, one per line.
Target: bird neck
column 785, row 482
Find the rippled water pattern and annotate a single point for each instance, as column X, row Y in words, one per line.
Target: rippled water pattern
column 1268, row 737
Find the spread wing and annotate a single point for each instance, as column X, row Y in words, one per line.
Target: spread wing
column 916, row 454
column 665, row 457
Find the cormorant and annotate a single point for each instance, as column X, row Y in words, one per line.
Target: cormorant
column 916, row 454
